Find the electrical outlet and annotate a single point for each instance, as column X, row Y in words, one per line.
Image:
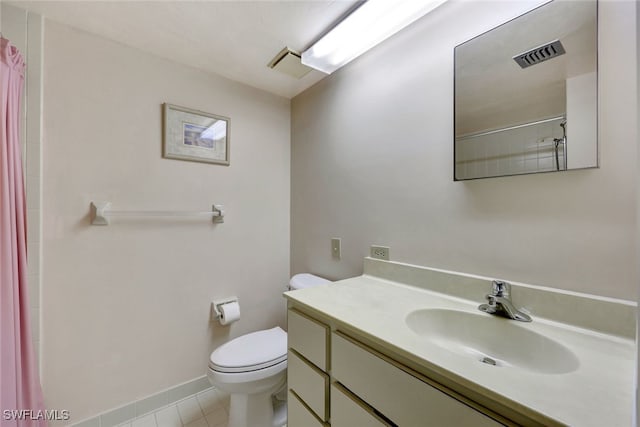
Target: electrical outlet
column 380, row 252
column 335, row 248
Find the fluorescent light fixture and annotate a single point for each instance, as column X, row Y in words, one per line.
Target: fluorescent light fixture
column 368, row 25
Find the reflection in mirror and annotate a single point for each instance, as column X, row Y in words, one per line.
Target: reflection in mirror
column 526, row 94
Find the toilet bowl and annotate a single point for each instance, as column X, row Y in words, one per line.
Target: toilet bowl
column 252, row 368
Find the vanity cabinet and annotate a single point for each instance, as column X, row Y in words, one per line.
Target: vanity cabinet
column 402, row 397
column 307, row 366
column 335, row 380
column 299, row 414
column 347, row 410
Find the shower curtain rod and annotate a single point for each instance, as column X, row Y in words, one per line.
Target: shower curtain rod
column 474, row 135
column 101, row 211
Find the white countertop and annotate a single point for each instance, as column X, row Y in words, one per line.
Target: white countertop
column 598, row 393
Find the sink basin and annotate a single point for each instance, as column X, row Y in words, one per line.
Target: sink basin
column 492, row 340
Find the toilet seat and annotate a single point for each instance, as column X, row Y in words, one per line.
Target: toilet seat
column 251, row 352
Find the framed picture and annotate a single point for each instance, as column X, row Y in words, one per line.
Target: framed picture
column 195, row 135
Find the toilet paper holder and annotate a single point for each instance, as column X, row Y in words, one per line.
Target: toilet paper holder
column 215, row 306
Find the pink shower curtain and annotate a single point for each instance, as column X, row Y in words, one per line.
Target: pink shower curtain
column 21, row 402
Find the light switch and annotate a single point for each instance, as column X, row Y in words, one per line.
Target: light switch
column 335, row 248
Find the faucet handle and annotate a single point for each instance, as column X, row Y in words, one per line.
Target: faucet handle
column 500, row 289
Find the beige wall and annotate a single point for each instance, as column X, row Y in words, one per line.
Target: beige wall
column 372, row 164
column 126, row 307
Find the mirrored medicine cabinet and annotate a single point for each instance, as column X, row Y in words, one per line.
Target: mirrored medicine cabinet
column 526, row 94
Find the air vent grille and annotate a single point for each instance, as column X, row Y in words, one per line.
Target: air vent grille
column 539, row 54
column 288, row 62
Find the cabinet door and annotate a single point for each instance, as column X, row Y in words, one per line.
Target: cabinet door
column 308, row 337
column 401, row 397
column 298, row 415
column 348, row 411
column 309, row 383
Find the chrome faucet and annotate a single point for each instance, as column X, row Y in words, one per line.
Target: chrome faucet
column 500, row 303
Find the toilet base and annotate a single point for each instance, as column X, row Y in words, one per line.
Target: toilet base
column 256, row 410
column 280, row 413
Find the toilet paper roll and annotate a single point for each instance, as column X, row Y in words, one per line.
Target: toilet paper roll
column 229, row 312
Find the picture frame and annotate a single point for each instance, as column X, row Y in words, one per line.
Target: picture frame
column 194, row 135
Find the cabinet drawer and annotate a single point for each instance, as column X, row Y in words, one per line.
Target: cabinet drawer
column 308, row 337
column 348, row 411
column 399, row 396
column 309, row 383
column 298, row 415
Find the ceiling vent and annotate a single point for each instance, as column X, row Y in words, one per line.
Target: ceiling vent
column 539, row 54
column 288, row 62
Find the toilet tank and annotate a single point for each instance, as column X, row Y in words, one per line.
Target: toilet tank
column 306, row 280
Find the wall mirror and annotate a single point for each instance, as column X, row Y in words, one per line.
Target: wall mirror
column 526, row 94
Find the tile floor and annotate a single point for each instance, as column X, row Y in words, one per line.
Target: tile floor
column 209, row 408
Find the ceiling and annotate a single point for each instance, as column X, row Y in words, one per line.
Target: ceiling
column 232, row 38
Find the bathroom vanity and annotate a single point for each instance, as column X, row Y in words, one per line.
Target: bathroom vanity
column 406, row 345
column 365, row 387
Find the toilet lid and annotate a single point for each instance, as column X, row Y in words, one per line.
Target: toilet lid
column 306, row 280
column 251, row 352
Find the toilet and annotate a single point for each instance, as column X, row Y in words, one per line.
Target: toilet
column 252, row 368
